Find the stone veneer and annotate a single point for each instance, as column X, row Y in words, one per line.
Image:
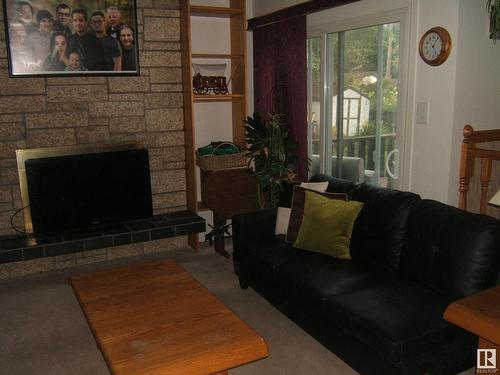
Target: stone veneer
column 59, row 111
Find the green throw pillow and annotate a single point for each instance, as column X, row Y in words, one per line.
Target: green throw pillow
column 327, row 225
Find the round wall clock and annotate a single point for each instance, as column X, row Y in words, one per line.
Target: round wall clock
column 435, row 46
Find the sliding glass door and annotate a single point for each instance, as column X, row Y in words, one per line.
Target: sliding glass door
column 353, row 78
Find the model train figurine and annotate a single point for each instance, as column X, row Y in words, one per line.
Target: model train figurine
column 203, row 85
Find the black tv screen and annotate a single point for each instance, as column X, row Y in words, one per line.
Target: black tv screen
column 88, row 190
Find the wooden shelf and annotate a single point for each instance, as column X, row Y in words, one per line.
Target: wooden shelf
column 207, row 11
column 215, row 56
column 217, row 98
column 236, row 53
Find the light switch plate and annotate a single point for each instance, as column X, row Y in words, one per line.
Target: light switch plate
column 423, row 113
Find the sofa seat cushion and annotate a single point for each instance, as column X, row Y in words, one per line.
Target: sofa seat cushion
column 271, row 254
column 311, row 281
column 398, row 320
column 261, row 261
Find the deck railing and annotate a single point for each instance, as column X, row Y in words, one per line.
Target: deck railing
column 364, row 147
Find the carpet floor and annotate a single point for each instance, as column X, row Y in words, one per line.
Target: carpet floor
column 44, row 332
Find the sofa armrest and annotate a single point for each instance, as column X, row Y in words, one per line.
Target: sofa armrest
column 252, row 227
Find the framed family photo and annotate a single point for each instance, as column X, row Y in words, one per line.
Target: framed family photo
column 71, row 37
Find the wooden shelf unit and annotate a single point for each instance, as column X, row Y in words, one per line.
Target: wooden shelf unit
column 217, row 98
column 215, row 56
column 237, row 96
column 208, row 11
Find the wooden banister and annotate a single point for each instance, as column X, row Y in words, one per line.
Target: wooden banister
column 469, row 154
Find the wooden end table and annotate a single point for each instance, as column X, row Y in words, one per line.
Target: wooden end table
column 479, row 314
column 155, row 318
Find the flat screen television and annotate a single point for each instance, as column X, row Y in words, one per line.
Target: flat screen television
column 88, row 190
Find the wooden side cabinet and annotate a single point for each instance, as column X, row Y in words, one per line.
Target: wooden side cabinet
column 228, row 192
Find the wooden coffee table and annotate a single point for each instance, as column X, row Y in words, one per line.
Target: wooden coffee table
column 480, row 314
column 155, row 318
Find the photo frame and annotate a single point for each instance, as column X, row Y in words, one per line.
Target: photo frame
column 71, row 38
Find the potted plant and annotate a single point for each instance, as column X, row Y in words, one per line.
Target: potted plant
column 272, row 153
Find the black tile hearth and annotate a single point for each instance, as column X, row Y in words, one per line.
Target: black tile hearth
column 98, row 243
column 14, row 249
column 122, row 239
column 166, row 232
column 189, row 228
column 64, row 248
column 11, row 256
column 116, row 228
column 10, row 243
column 140, row 236
column 139, row 225
column 80, row 235
column 32, row 253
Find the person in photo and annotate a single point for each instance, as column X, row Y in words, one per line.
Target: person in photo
column 58, row 58
column 115, row 22
column 111, row 47
column 88, row 46
column 18, row 53
column 24, row 15
column 63, row 18
column 74, row 62
column 38, row 42
column 128, row 49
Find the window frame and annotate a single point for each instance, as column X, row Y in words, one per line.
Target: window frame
column 405, row 83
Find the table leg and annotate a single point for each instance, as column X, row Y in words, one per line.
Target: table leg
column 219, row 240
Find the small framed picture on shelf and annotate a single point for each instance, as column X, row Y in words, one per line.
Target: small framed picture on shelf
column 71, row 38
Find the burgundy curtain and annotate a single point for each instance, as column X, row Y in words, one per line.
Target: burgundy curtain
column 280, row 77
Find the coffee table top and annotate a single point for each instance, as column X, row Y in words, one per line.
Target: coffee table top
column 478, row 313
column 155, row 318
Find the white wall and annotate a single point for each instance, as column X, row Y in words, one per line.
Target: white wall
column 465, row 89
column 477, row 87
column 432, row 143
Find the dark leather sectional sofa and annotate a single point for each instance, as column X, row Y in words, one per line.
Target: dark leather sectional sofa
column 381, row 312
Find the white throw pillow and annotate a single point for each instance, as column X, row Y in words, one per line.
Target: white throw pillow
column 282, row 219
column 283, row 216
column 316, row 186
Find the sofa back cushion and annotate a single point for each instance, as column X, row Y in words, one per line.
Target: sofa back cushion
column 457, row 253
column 335, row 185
column 378, row 233
column 353, row 168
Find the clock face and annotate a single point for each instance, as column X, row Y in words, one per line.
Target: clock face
column 435, row 46
column 432, row 47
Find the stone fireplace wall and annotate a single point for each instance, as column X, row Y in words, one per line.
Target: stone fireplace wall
column 46, row 112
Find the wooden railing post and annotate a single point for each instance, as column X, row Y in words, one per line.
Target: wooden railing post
column 466, row 167
column 485, row 180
